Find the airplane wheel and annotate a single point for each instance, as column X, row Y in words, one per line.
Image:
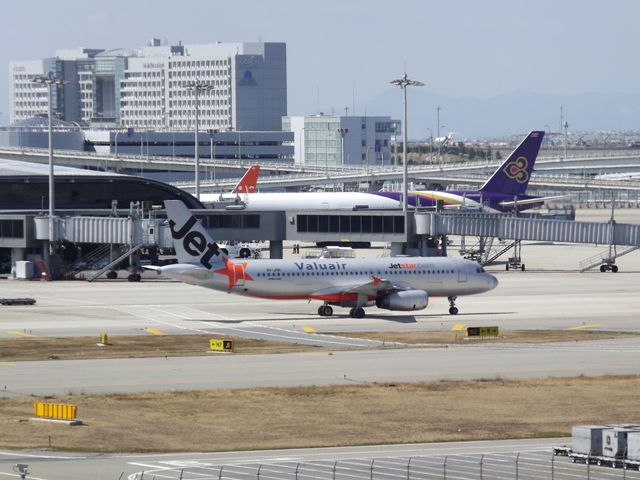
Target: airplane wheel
column 507, row 267
column 112, row 274
column 245, row 253
column 358, row 312
column 522, row 267
column 325, row 311
column 453, row 310
column 614, row 268
column 603, row 268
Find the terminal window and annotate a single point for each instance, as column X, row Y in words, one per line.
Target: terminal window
column 232, row 221
column 12, row 228
column 349, row 224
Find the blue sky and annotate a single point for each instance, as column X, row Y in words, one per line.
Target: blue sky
column 465, row 48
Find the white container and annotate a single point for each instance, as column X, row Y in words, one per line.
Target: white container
column 24, row 270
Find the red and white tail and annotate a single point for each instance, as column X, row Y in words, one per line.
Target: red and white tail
column 249, row 180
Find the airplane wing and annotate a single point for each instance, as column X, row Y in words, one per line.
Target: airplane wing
column 529, row 201
column 371, row 289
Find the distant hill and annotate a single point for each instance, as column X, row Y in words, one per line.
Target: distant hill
column 515, row 113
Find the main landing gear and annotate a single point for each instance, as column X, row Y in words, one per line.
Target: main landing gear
column 325, row 310
column 453, row 310
column 609, row 266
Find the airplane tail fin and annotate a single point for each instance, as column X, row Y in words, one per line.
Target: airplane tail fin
column 249, row 180
column 512, row 177
column 191, row 241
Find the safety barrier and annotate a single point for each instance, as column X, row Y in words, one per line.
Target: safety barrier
column 58, row 411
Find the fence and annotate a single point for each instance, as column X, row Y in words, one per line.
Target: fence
column 536, row 465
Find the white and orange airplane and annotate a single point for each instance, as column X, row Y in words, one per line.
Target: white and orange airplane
column 401, row 283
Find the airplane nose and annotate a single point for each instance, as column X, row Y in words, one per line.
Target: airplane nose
column 493, row 282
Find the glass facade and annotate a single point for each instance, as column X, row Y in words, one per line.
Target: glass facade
column 322, row 141
column 350, row 224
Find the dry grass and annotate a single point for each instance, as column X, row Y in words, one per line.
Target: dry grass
column 324, row 416
column 135, row 346
column 506, row 336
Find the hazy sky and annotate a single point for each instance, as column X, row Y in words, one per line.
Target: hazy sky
column 468, row 48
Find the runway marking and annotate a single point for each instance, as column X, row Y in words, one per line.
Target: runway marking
column 309, row 329
column 7, row 364
column 457, row 327
column 580, row 327
column 19, row 476
column 54, row 457
column 17, row 332
column 153, row 331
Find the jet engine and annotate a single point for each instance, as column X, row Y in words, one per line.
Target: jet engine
column 405, row 300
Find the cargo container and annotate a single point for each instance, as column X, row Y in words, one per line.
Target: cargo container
column 614, row 442
column 587, row 439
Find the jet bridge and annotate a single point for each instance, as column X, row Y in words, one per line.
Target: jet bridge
column 535, row 228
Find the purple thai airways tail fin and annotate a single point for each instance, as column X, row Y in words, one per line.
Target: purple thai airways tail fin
column 512, row 177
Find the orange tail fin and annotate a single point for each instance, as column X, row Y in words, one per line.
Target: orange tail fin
column 247, row 183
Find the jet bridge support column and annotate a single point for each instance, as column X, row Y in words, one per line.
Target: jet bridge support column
column 275, row 248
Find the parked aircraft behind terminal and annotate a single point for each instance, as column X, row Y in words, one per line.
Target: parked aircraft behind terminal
column 502, row 192
column 248, row 182
column 395, row 283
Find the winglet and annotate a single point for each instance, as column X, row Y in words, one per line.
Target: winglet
column 512, row 177
column 249, row 180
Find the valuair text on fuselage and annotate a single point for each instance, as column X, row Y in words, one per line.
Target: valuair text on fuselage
column 194, row 242
column 320, row 266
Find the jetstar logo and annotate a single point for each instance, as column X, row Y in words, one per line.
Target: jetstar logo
column 234, row 271
column 404, row 265
column 196, row 245
column 194, row 242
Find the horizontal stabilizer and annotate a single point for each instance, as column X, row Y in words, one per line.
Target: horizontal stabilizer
column 530, row 201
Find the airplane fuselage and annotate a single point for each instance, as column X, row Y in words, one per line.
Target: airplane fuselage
column 329, row 279
column 373, row 200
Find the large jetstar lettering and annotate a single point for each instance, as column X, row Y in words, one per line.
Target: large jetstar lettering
column 194, row 242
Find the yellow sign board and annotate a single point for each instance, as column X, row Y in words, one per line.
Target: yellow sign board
column 221, row 345
column 59, row 411
column 483, row 331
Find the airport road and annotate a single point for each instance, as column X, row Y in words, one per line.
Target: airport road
column 352, row 462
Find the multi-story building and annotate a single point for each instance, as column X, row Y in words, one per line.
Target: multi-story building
column 148, row 88
column 336, row 140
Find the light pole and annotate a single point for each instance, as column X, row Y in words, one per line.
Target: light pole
column 50, row 80
column 197, row 87
column 403, row 83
